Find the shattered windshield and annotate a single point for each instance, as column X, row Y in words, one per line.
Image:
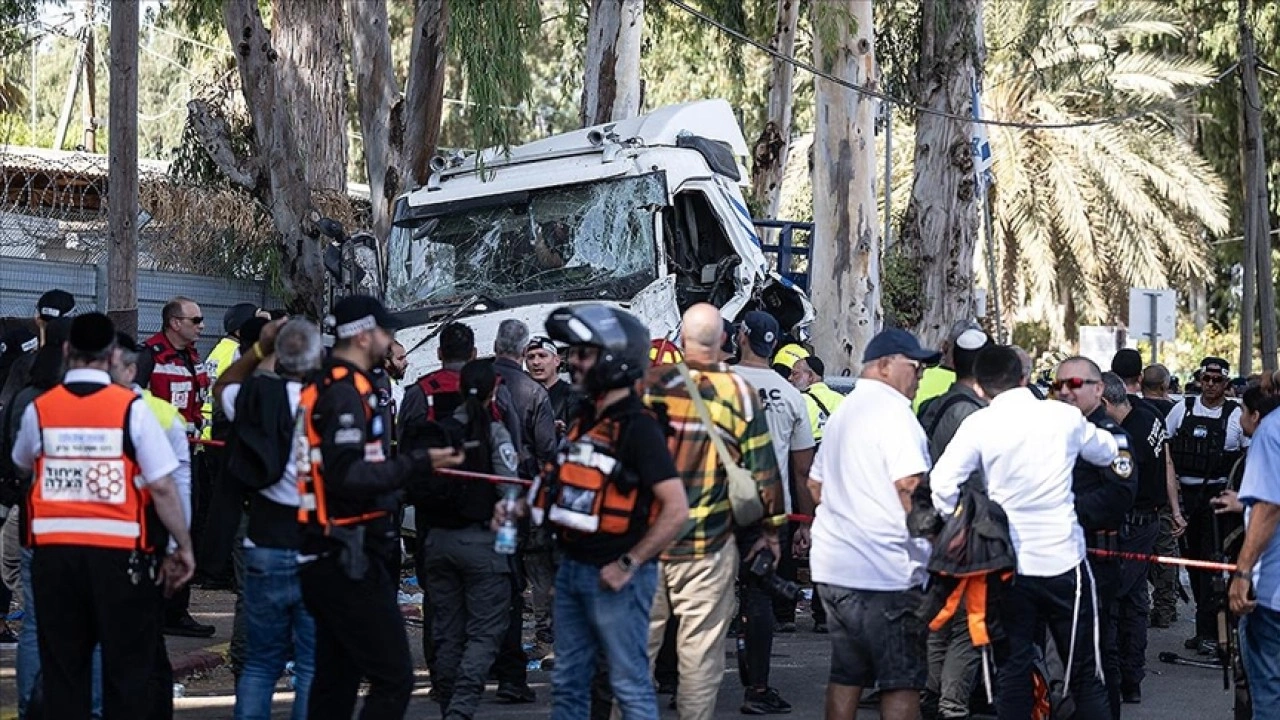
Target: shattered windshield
column 596, row 239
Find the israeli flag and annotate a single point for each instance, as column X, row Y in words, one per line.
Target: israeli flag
column 981, row 144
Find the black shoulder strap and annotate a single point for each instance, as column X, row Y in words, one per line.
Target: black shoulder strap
column 821, row 407
column 946, row 405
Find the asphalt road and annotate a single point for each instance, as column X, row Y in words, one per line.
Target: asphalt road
column 800, row 665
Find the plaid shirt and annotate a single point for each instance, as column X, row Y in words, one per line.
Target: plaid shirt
column 736, row 411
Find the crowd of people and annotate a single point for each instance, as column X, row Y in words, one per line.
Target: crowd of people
column 650, row 497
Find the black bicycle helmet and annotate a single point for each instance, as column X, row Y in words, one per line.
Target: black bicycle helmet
column 623, row 341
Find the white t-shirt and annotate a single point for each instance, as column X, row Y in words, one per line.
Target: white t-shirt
column 860, row 538
column 285, row 490
column 1027, row 449
column 1235, row 434
column 788, row 417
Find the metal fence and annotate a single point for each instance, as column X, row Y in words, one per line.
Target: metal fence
column 23, row 281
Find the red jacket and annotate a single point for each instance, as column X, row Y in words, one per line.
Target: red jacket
column 180, row 378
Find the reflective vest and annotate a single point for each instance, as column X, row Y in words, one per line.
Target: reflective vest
column 821, row 401
column 590, row 491
column 226, row 352
column 313, row 508
column 85, row 487
column 180, row 378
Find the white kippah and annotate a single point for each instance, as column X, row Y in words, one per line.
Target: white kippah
column 971, row 340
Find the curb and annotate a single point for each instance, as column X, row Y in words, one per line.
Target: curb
column 198, row 661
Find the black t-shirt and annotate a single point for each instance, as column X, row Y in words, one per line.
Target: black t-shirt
column 564, row 400
column 1163, row 406
column 642, row 449
column 1146, row 430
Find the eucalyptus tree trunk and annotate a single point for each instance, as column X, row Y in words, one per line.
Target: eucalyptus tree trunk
column 846, row 245
column 400, row 135
column 312, row 82
column 277, row 172
column 611, row 90
column 770, row 152
column 940, row 228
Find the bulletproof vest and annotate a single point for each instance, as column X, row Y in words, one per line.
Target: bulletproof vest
column 1199, row 447
column 1104, row 494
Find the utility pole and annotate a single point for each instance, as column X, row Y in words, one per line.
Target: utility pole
column 122, row 196
column 1257, row 223
column 88, row 103
column 73, row 83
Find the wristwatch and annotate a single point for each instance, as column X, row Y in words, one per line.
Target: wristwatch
column 627, row 563
column 1243, row 574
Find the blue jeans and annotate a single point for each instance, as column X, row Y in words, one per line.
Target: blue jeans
column 1260, row 651
column 589, row 618
column 29, row 648
column 277, row 627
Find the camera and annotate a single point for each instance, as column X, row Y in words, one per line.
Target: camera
column 763, row 567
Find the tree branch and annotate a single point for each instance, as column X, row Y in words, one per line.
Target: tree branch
column 215, row 138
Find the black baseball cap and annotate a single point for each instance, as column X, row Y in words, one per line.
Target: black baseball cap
column 1215, row 364
column 237, row 315
column 895, row 341
column 762, row 332
column 355, row 314
column 91, row 333
column 55, row 304
column 1127, row 363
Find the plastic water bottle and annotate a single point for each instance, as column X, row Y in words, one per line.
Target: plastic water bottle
column 505, row 543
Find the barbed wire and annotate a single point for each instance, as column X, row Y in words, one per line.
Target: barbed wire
column 925, row 110
column 55, row 207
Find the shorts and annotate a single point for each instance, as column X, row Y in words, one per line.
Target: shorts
column 877, row 639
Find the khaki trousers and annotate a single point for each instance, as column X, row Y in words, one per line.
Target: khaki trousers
column 701, row 594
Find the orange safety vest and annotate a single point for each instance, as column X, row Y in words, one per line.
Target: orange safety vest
column 86, row 488
column 312, row 506
column 585, row 494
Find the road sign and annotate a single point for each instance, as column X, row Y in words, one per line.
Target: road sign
column 1152, row 316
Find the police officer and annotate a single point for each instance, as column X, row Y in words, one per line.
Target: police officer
column 1205, row 441
column 101, row 499
column 1104, row 496
column 348, row 503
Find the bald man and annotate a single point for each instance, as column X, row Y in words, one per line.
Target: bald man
column 697, row 572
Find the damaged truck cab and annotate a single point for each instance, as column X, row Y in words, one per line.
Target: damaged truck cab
column 646, row 213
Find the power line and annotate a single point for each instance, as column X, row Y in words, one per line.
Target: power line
column 927, row 110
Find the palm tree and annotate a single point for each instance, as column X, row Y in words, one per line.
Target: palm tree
column 1083, row 213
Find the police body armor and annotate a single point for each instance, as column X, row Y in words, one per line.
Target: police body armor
column 1105, row 494
column 589, row 491
column 1199, row 447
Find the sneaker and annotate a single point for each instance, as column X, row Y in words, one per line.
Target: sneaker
column 764, row 702
column 1132, row 696
column 1191, row 643
column 516, row 694
column 785, row 627
column 188, row 626
column 8, row 640
column 820, row 628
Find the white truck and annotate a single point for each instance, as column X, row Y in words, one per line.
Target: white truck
column 646, row 213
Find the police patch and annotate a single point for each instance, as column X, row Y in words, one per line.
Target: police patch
column 508, row 454
column 1123, row 464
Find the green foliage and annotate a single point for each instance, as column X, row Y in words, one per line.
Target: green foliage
column 1035, row 337
column 488, row 41
column 900, row 288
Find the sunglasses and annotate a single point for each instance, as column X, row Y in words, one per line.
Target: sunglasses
column 1074, row 383
column 1212, row 379
column 197, row 320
